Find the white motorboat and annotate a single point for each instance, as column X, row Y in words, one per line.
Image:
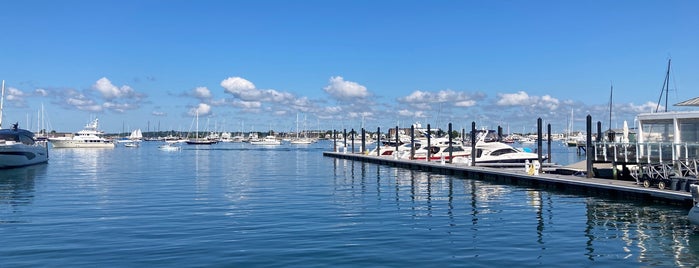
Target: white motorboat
column 169, row 146
column 89, row 137
column 439, row 149
column 489, row 150
column 268, row 140
column 17, row 146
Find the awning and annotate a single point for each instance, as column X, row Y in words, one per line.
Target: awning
column 690, row 102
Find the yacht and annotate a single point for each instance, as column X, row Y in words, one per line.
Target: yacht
column 89, row 137
column 18, row 146
column 268, row 140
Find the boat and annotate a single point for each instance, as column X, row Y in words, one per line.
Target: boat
column 267, row 140
column 298, row 139
column 169, row 146
column 489, row 150
column 439, row 149
column 17, row 146
column 88, row 137
column 196, row 140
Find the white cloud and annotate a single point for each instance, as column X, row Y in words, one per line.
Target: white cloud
column 521, row 98
column 340, row 89
column 14, row 95
column 202, row 109
column 84, row 104
column 202, row 93
column 514, row 99
column 110, row 91
column 158, row 113
column 247, row 104
column 41, row 92
column 425, row 100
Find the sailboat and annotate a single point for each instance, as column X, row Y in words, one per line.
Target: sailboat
column 197, row 140
column 17, row 146
column 304, row 139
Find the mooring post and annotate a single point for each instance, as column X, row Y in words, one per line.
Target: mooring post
column 334, row 141
column 499, row 133
column 363, row 149
column 378, row 142
column 450, row 147
column 429, row 135
column 599, row 131
column 473, row 143
column 397, row 140
column 539, row 149
column 548, row 152
column 344, row 136
column 412, row 142
column 352, row 132
column 588, row 145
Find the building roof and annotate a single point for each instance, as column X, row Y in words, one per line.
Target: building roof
column 689, row 102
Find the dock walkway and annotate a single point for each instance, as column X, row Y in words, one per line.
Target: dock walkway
column 623, row 189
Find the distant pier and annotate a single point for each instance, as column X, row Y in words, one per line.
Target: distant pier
column 623, row 189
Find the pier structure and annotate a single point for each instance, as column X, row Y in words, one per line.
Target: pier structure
column 656, row 159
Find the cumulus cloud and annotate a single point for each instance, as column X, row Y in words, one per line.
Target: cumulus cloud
column 15, row 96
column 521, row 98
column 425, row 100
column 202, row 109
column 158, row 113
column 340, row 89
column 202, row 93
column 245, row 90
column 110, row 91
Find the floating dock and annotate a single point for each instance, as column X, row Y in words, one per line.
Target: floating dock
column 622, row 189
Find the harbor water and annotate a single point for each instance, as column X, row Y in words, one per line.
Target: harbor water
column 241, row 205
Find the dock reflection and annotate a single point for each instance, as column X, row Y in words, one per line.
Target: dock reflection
column 485, row 210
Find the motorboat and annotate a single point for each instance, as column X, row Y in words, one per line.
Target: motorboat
column 489, row 150
column 18, row 146
column 88, row 137
column 439, row 149
column 169, row 146
column 267, row 140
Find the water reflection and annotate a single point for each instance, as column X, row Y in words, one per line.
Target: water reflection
column 17, row 190
column 602, row 230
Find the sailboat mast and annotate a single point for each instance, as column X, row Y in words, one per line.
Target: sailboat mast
column 666, row 89
column 2, row 99
column 611, row 94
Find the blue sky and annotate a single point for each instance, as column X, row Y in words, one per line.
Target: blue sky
column 255, row 65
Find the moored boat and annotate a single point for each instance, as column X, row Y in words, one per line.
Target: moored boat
column 18, row 146
column 89, row 137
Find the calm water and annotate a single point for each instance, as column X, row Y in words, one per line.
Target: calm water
column 236, row 205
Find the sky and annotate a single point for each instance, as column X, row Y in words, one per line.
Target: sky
column 260, row 65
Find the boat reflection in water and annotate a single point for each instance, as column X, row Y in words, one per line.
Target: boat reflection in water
column 17, row 190
column 507, row 218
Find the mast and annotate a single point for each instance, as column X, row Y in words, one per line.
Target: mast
column 611, row 94
column 2, row 99
column 666, row 87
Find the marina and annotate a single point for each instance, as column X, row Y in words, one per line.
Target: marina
column 246, row 205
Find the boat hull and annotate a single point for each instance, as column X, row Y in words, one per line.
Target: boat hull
column 22, row 155
column 59, row 143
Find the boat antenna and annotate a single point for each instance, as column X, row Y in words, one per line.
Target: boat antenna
column 2, row 99
column 666, row 85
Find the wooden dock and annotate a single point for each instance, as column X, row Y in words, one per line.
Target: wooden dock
column 623, row 189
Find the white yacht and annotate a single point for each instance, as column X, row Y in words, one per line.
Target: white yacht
column 18, row 147
column 89, row 137
column 268, row 140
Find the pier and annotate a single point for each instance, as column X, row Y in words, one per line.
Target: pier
column 622, row 189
